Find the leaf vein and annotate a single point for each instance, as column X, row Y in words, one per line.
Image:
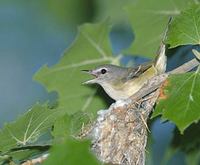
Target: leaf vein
column 94, row 44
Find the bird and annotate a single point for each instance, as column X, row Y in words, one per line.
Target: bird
column 122, row 82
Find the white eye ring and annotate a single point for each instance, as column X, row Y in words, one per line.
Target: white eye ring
column 103, row 71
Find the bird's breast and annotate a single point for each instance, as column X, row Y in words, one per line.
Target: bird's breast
column 126, row 89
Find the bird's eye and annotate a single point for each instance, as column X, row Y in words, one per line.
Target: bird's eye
column 103, row 71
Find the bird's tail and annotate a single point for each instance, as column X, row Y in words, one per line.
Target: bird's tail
column 161, row 59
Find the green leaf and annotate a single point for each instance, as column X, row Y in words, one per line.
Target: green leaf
column 90, row 48
column 182, row 103
column 28, row 128
column 65, row 12
column 149, row 20
column 62, row 127
column 4, row 158
column 112, row 9
column 72, row 153
column 24, row 154
column 80, row 120
column 70, row 125
column 185, row 28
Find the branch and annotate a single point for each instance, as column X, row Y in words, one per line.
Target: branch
column 185, row 67
column 35, row 161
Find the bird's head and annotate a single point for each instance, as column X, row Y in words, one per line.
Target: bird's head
column 106, row 74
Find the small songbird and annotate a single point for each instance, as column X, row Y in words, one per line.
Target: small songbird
column 120, row 82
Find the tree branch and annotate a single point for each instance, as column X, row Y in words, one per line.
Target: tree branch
column 35, row 161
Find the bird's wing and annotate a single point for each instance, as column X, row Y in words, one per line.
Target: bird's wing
column 138, row 70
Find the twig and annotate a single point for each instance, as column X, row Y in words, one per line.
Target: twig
column 185, row 67
column 196, row 53
column 36, row 160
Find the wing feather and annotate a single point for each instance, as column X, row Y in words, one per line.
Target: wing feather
column 138, row 70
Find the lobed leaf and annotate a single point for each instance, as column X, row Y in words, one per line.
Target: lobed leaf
column 25, row 154
column 90, row 48
column 149, row 19
column 182, row 103
column 112, row 9
column 185, row 28
column 71, row 152
column 28, row 128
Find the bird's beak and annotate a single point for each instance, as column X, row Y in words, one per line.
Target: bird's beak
column 91, row 72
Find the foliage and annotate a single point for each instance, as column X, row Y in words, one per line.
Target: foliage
column 16, row 137
column 148, row 19
column 185, row 28
column 114, row 9
column 28, row 128
column 66, row 11
column 185, row 109
column 90, row 48
column 71, row 152
column 78, row 104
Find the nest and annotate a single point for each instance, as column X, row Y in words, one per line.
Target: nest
column 119, row 135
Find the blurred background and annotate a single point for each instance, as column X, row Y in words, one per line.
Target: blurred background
column 34, row 33
column 31, row 34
